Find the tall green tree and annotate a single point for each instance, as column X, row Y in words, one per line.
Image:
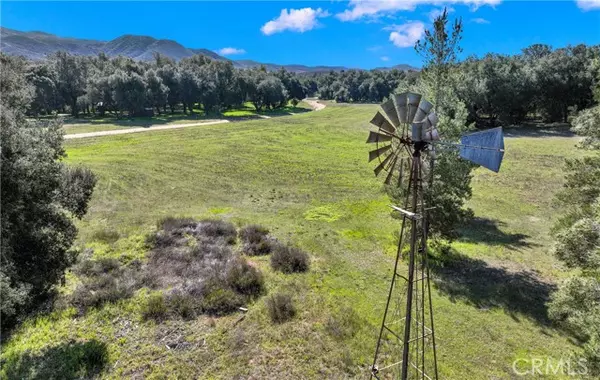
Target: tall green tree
column 157, row 93
column 439, row 48
column 189, row 89
column 129, row 91
column 576, row 304
column 40, row 196
column 563, row 80
column 71, row 74
column 449, row 177
column 170, row 78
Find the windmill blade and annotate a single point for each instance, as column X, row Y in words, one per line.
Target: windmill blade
column 413, row 105
column 485, row 148
column 381, row 166
column 381, row 122
column 378, row 152
column 433, row 119
column 375, row 137
column 430, row 134
column 400, row 102
column 416, row 131
column 390, row 111
column 427, row 124
column 423, row 110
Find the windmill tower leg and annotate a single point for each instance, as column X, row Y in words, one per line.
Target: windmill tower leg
column 410, row 328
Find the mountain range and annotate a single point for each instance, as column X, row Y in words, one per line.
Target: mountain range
column 37, row 45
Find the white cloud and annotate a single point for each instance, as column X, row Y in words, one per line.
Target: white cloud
column 296, row 20
column 385, row 58
column 479, row 20
column 231, row 51
column 406, row 35
column 374, row 8
column 588, row 5
column 374, row 48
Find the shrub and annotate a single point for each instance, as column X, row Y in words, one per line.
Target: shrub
column 170, row 223
column 97, row 267
column 281, row 307
column 214, row 228
column 196, row 260
column 182, row 304
column 219, row 301
column 289, row 259
column 154, row 307
column 253, row 233
column 294, row 102
column 256, row 240
column 105, row 280
column 244, row 278
column 98, row 290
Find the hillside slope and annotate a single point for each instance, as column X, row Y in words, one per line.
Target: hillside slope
column 37, row 45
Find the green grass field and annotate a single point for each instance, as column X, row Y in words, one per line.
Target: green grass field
column 109, row 123
column 307, row 179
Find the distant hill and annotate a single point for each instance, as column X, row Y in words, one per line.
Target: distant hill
column 246, row 63
column 37, row 45
column 401, row 66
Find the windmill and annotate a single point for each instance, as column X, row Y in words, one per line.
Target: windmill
column 406, row 135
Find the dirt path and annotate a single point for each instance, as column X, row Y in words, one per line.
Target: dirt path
column 315, row 105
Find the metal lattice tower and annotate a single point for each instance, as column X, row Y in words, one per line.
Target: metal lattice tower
column 406, row 347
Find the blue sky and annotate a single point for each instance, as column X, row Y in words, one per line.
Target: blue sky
column 364, row 34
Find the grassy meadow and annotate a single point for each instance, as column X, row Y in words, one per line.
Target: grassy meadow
column 307, row 179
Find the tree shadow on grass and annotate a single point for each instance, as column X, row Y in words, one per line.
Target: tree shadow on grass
column 483, row 230
column 72, row 360
column 519, row 293
column 548, row 130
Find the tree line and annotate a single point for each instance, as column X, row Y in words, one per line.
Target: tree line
column 497, row 89
column 120, row 85
column 541, row 82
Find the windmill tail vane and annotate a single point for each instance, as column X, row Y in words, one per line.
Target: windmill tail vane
column 406, row 128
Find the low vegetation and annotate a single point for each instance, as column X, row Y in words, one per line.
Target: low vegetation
column 281, row 307
column 289, row 259
column 192, row 268
column 256, row 240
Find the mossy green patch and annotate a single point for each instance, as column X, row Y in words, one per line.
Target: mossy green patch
column 324, row 213
column 220, row 210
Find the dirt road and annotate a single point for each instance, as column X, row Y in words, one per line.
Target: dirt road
column 314, row 103
column 316, row 106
